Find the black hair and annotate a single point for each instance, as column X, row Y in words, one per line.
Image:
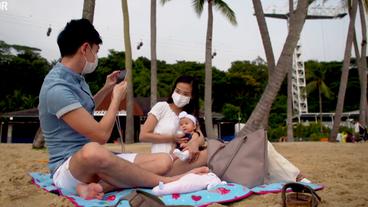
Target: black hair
column 76, row 33
column 193, row 106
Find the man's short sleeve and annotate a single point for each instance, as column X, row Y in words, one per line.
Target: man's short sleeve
column 158, row 110
column 61, row 100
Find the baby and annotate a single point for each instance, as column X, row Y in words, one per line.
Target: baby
column 187, row 129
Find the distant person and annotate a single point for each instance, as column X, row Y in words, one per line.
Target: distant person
column 78, row 161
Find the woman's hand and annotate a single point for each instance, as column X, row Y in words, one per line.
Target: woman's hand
column 180, row 138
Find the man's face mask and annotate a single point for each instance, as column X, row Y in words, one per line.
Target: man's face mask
column 89, row 67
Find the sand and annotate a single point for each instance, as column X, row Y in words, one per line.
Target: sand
column 341, row 168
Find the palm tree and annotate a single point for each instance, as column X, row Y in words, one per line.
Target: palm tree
column 153, row 54
column 344, row 73
column 271, row 61
column 263, row 107
column 290, row 134
column 262, row 25
column 230, row 15
column 88, row 9
column 129, row 132
column 363, row 65
column 316, row 77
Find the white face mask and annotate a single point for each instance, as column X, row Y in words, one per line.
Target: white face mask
column 180, row 100
column 89, row 67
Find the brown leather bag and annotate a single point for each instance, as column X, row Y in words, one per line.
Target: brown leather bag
column 242, row 160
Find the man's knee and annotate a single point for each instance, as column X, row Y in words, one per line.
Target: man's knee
column 166, row 163
column 94, row 153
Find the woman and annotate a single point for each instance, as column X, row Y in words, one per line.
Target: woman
column 163, row 121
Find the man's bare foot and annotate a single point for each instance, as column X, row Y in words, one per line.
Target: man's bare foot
column 90, row 191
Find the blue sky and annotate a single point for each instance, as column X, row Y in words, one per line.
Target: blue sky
column 180, row 32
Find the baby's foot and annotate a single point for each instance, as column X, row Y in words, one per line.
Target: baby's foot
column 90, row 191
column 181, row 155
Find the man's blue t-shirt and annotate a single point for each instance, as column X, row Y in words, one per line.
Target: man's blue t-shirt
column 62, row 91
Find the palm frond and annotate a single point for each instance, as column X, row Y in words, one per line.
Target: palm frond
column 226, row 10
column 198, row 6
column 311, row 86
column 325, row 90
column 163, row 2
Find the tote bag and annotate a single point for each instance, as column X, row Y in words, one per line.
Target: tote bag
column 243, row 160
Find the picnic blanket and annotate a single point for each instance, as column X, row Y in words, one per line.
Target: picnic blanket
column 222, row 193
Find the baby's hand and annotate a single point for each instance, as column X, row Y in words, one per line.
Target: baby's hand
column 184, row 145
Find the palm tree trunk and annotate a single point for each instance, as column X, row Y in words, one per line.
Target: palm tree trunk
column 208, row 75
column 320, row 107
column 363, row 67
column 88, row 10
column 344, row 74
column 39, row 140
column 290, row 134
column 266, row 40
column 129, row 132
column 153, row 53
column 363, row 82
column 264, row 105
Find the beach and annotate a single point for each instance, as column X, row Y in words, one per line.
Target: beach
column 341, row 168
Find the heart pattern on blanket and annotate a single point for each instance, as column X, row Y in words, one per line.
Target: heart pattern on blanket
column 175, row 196
column 196, row 198
column 222, row 193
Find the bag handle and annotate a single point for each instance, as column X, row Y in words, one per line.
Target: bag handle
column 222, row 172
column 298, row 187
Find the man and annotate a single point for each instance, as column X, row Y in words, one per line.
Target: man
column 77, row 160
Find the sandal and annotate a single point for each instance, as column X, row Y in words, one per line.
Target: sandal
column 300, row 196
column 140, row 198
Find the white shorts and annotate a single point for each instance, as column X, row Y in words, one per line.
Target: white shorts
column 64, row 179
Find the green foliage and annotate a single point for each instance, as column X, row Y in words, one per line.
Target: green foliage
column 310, row 132
column 235, row 91
column 274, row 133
column 22, row 72
column 302, row 132
column 231, row 112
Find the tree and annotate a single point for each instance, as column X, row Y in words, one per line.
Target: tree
column 265, row 103
column 88, row 9
column 129, row 132
column 153, row 53
column 363, row 65
column 344, row 73
column 230, row 15
column 266, row 40
column 315, row 78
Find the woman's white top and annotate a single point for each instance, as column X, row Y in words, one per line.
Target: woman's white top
column 167, row 124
